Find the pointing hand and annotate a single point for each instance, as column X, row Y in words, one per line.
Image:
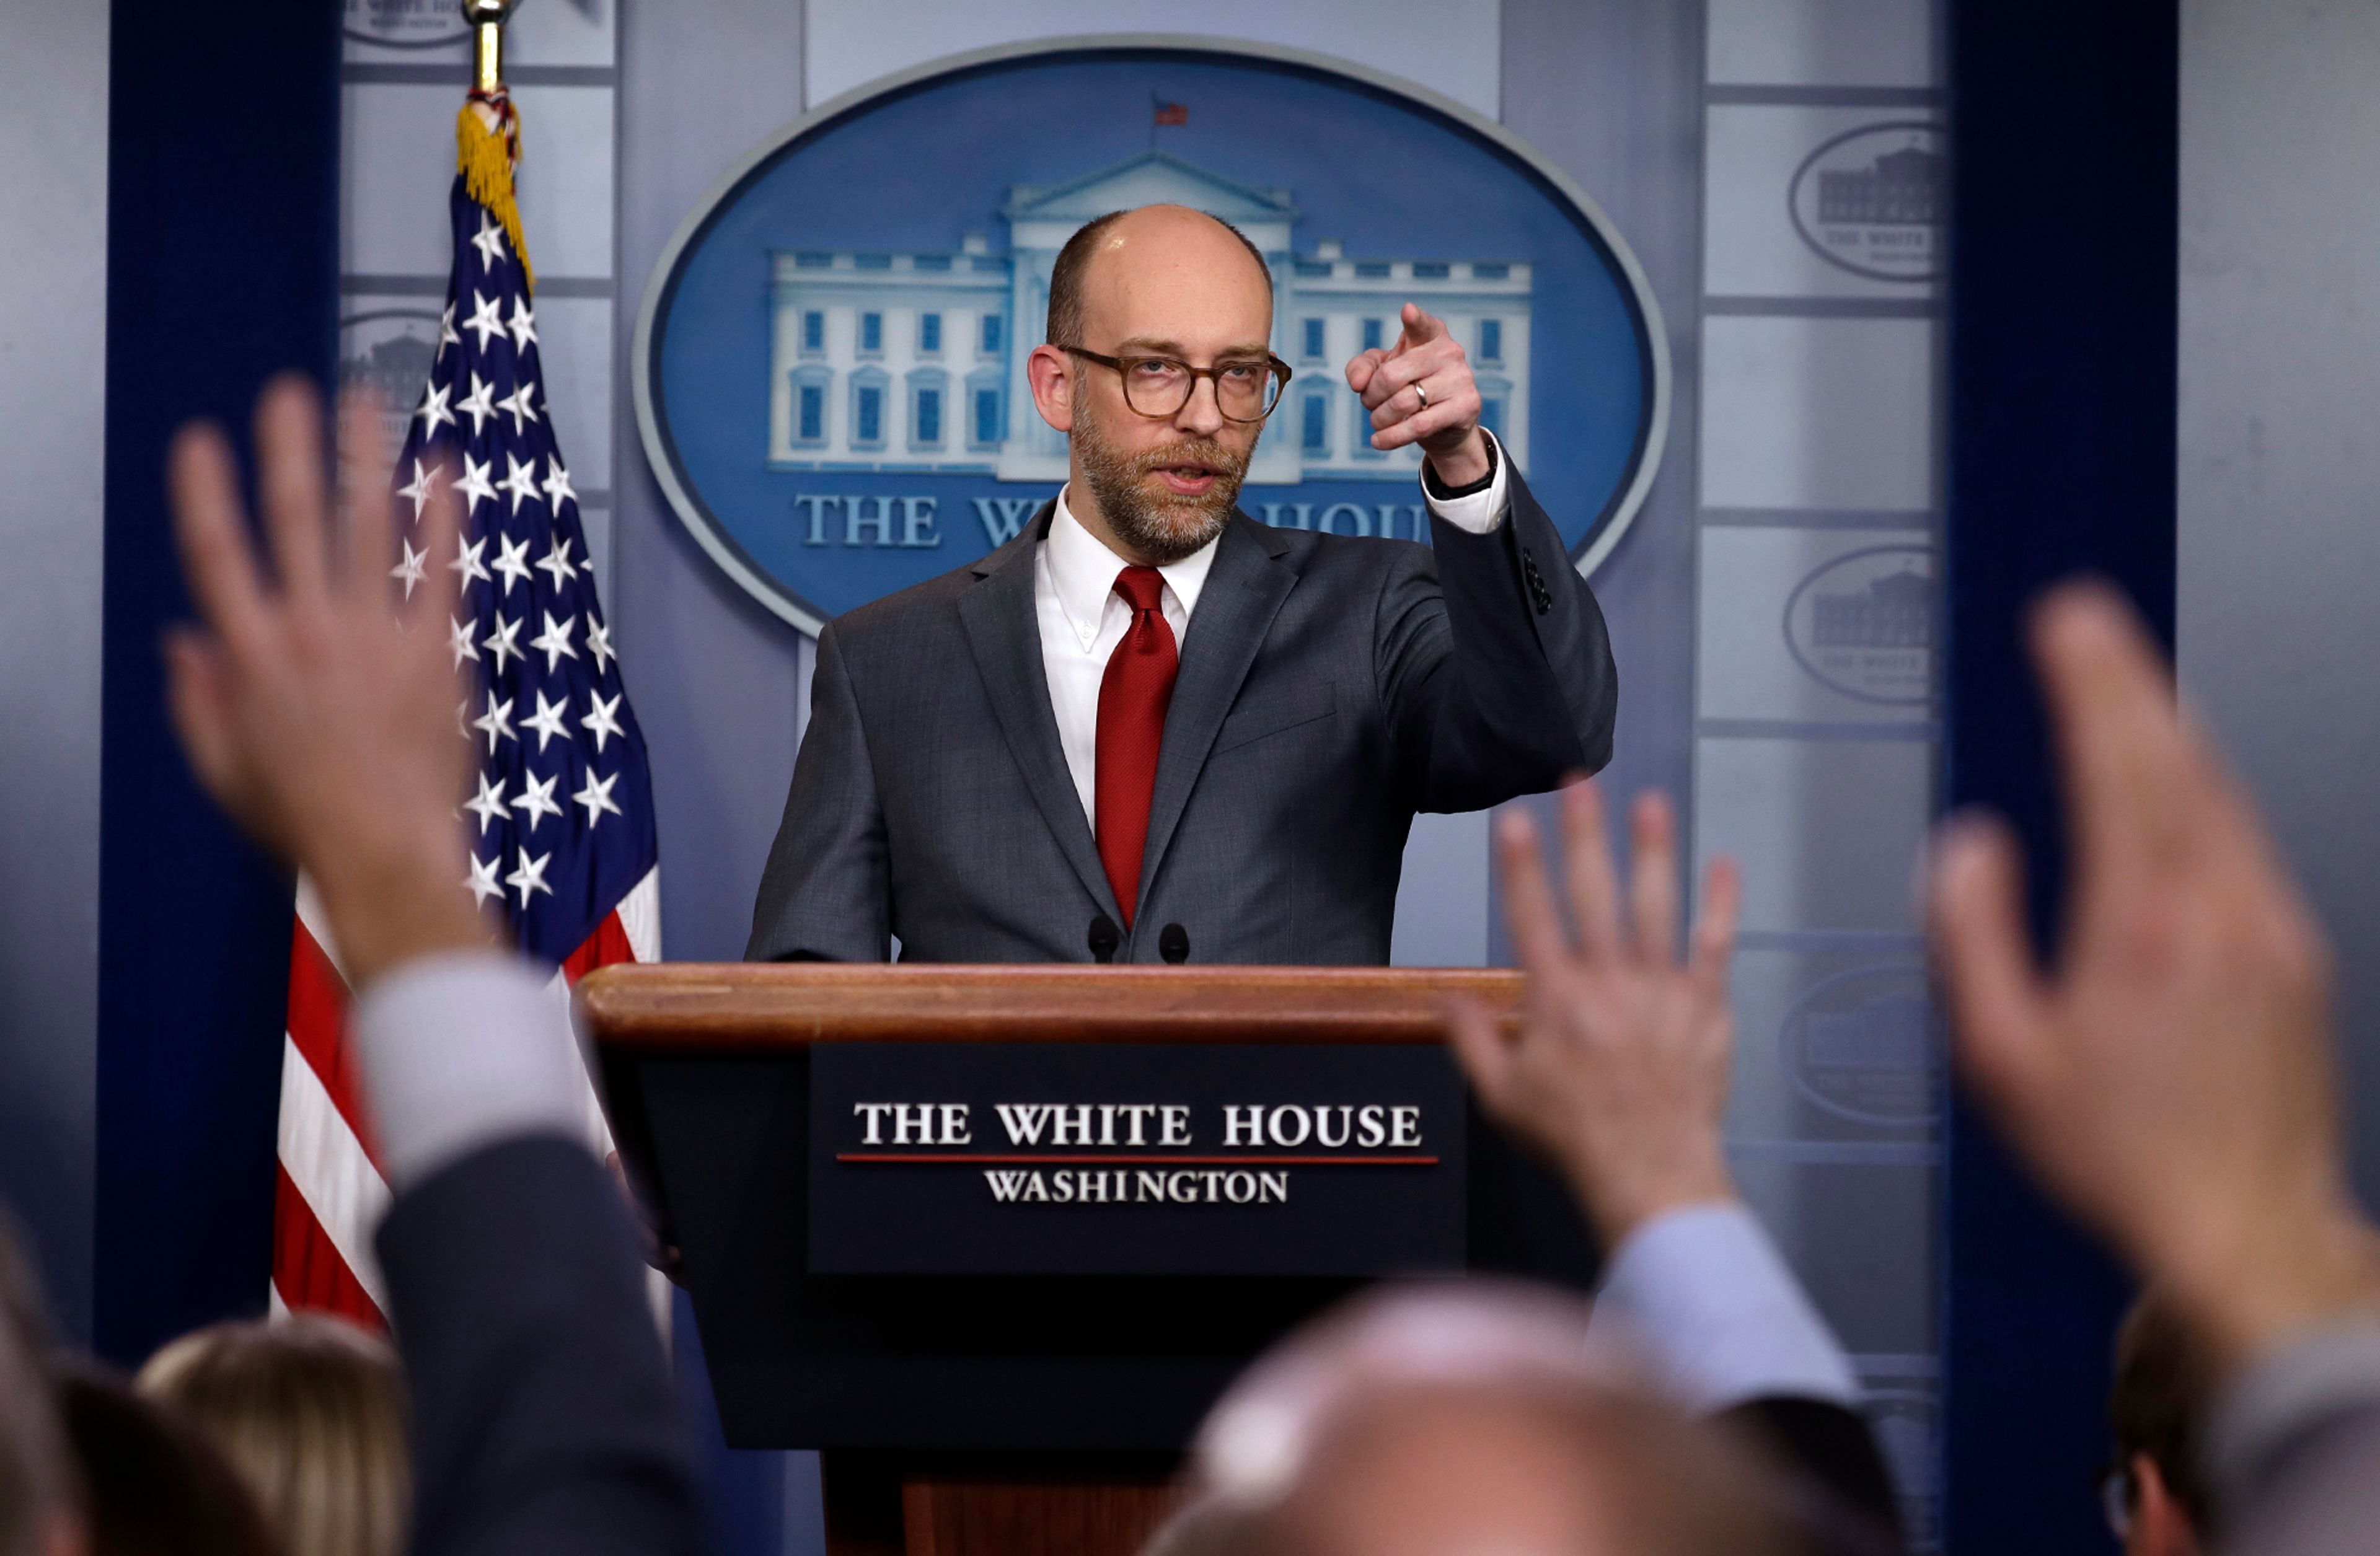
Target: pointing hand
column 1420, row 391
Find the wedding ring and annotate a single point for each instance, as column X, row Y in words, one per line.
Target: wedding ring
column 1421, row 395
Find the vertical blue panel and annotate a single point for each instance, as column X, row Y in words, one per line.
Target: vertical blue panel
column 2061, row 440
column 222, row 269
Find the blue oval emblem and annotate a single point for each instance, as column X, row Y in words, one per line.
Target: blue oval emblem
column 1867, row 623
column 1872, row 201
column 829, row 364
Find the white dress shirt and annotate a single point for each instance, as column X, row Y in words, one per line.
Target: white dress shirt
column 464, row 1051
column 1703, row 1295
column 1082, row 619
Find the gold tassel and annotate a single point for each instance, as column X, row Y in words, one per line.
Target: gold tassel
column 486, row 158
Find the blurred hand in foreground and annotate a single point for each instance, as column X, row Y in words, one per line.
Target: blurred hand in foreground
column 319, row 708
column 2172, row 1081
column 1620, row 1071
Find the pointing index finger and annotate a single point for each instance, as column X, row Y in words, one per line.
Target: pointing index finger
column 1421, row 326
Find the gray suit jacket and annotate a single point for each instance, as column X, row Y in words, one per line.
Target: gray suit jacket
column 1331, row 687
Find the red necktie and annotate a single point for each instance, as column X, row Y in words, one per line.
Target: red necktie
column 1133, row 695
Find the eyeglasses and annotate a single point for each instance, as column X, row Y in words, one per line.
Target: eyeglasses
column 1247, row 388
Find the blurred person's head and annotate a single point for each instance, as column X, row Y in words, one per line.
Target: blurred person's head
column 40, row 1511
column 1479, row 1418
column 152, row 1484
column 2157, row 1500
column 309, row 1411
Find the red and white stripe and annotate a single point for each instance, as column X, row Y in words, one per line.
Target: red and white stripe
column 331, row 1193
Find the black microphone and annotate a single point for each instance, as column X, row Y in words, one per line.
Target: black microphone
column 1173, row 944
column 1105, row 938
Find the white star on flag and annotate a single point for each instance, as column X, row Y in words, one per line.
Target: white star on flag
column 603, row 719
column 433, row 411
column 599, row 645
column 529, row 875
column 554, row 641
column 467, row 563
column 511, row 563
column 536, row 801
column 458, row 638
column 489, row 242
column 475, row 487
column 486, row 317
column 489, row 803
column 479, row 405
column 549, row 720
column 446, row 336
column 524, row 324
column 483, row 878
column 497, row 721
column 521, row 404
column 596, row 795
column 503, row 642
column 556, row 562
column 557, row 483
column 410, row 569
column 520, row 480
column 425, row 484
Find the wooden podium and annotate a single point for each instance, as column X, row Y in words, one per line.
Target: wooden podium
column 1001, row 1408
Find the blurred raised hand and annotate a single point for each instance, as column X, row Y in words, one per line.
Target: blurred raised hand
column 1620, row 1071
column 2171, row 1079
column 316, row 699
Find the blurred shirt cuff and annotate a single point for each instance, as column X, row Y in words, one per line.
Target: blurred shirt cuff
column 1480, row 512
column 460, row 1051
column 1703, row 1295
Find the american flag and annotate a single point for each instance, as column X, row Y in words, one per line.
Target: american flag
column 562, row 824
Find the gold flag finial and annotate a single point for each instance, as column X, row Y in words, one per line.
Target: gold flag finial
column 487, row 132
column 487, row 20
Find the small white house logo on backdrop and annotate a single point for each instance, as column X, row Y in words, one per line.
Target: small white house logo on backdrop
column 1872, row 201
column 388, row 351
column 1861, row 1045
column 406, row 24
column 1867, row 624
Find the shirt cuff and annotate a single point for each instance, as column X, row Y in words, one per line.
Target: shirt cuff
column 2276, row 1403
column 461, row 1050
column 1703, row 1295
column 1481, row 511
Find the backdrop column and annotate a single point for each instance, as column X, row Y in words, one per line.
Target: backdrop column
column 222, row 270
column 2062, row 454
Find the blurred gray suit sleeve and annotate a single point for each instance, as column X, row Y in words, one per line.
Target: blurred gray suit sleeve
column 2293, row 1450
column 824, row 894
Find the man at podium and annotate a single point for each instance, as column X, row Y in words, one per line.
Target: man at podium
column 1151, row 727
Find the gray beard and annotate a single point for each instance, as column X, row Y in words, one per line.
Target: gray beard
column 1164, row 529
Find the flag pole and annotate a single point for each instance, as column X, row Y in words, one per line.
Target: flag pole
column 487, row 18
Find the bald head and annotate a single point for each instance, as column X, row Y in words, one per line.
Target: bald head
column 1171, row 249
column 1419, row 1425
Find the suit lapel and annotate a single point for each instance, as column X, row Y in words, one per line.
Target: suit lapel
column 1003, row 631
column 1235, row 610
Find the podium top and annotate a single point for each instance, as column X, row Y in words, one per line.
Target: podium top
column 741, row 1007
